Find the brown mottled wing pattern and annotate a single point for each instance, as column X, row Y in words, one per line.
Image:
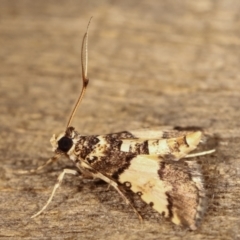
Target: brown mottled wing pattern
column 151, row 165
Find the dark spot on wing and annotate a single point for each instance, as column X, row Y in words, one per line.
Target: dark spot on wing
column 189, row 128
column 127, row 184
column 161, row 170
column 142, row 148
column 170, row 205
column 151, row 204
column 139, row 194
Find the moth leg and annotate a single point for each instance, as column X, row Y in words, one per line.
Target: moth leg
column 48, row 162
column 117, row 187
column 56, row 186
column 200, row 153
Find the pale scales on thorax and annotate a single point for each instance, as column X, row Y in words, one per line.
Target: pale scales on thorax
column 145, row 161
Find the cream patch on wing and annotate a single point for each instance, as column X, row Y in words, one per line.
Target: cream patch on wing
column 148, row 133
column 143, row 176
column 174, row 189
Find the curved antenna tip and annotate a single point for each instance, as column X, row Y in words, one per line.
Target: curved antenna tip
column 84, row 66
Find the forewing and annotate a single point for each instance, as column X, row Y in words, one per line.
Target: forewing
column 171, row 147
column 151, row 133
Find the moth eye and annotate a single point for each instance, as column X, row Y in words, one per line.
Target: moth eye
column 64, row 144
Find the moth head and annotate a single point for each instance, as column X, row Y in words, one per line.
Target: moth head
column 64, row 142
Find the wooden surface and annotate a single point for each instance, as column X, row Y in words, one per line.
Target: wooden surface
column 151, row 63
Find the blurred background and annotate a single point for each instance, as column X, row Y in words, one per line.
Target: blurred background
column 151, row 64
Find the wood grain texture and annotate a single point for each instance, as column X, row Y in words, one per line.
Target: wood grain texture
column 151, row 63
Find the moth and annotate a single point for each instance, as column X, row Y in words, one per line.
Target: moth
column 151, row 163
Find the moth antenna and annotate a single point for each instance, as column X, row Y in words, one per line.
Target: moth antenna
column 84, row 64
